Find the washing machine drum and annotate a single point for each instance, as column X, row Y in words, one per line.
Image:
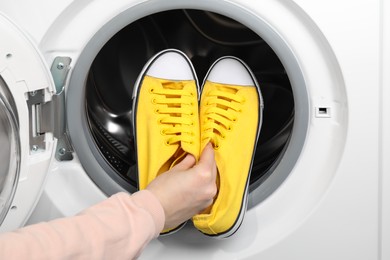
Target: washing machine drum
column 204, row 36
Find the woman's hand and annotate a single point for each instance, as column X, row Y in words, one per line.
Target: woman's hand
column 186, row 189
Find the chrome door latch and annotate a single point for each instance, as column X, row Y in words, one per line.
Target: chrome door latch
column 50, row 116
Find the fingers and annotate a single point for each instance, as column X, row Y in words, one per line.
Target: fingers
column 185, row 164
column 206, row 164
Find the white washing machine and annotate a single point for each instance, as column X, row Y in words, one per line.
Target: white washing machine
column 320, row 185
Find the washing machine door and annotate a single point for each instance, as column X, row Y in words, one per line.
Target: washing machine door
column 26, row 119
column 9, row 153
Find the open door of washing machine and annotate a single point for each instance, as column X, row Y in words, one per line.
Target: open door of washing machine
column 28, row 116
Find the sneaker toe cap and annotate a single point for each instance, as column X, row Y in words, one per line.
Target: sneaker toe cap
column 171, row 65
column 231, row 71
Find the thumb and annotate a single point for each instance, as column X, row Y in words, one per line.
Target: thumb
column 207, row 156
column 207, row 160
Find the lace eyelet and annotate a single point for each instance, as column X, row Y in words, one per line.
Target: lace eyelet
column 229, row 128
column 162, row 132
column 157, row 111
column 154, row 101
column 151, row 90
column 166, row 142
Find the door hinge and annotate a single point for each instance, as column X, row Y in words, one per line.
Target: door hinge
column 50, row 116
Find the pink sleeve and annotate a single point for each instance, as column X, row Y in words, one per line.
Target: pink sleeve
column 117, row 228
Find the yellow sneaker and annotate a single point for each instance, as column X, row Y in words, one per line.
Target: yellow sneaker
column 230, row 118
column 165, row 115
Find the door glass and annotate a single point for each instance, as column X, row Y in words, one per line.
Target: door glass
column 204, row 37
column 9, row 151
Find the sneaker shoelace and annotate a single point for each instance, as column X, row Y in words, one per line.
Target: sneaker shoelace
column 221, row 112
column 175, row 103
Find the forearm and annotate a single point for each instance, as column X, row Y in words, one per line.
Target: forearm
column 117, row 228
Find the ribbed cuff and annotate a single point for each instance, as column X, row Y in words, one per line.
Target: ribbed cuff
column 148, row 201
